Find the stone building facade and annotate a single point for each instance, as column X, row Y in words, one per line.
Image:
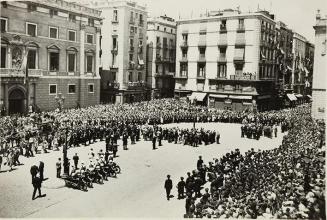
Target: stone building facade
column 62, row 43
column 227, row 60
column 319, row 69
column 161, row 56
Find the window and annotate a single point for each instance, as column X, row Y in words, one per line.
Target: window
column 157, row 68
column 130, row 57
column 31, row 7
column 158, row 40
column 31, row 59
column 53, row 32
column 238, row 69
column 90, row 22
column 201, row 69
column 89, row 63
column 132, row 17
column 241, row 23
column 31, row 29
column 141, row 19
column 222, row 53
column 89, row 38
column 164, row 42
column 71, row 88
column 139, row 76
column 114, row 43
column 165, row 29
column 183, row 68
column 3, row 57
column 54, row 61
column 223, row 25
column 171, row 30
column 53, row 12
column 3, row 23
column 91, row 88
column 115, row 15
column 184, row 53
column 131, row 43
column 184, row 36
column 52, row 89
column 71, row 62
column 72, row 35
column 222, row 69
column 130, row 76
column 72, row 18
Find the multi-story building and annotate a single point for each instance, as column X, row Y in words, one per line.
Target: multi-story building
column 319, row 69
column 284, row 62
column 308, row 69
column 123, row 43
column 227, row 60
column 161, row 56
column 298, row 71
column 61, row 41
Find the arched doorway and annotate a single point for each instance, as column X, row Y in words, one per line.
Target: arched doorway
column 16, row 102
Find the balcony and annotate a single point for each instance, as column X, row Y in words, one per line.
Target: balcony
column 223, row 29
column 201, row 76
column 131, row 65
column 222, row 58
column 202, row 58
column 113, row 67
column 113, row 85
column 136, row 85
column 141, row 23
column 240, row 29
column 184, row 44
column 131, row 49
column 243, row 77
column 114, row 50
column 11, row 72
column 184, row 76
column 131, row 21
column 158, row 45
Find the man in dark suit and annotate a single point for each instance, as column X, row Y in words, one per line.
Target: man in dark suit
column 36, row 182
column 75, row 158
column 41, row 170
column 154, row 139
column 168, row 186
column 58, row 167
column 34, row 170
column 181, row 188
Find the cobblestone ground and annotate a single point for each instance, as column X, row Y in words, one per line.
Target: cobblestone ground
column 137, row 192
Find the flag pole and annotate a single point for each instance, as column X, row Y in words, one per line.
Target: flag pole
column 27, row 85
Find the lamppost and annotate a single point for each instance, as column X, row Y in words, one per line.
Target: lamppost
column 60, row 101
column 64, row 150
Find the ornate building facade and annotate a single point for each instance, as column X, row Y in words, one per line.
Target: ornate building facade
column 62, row 43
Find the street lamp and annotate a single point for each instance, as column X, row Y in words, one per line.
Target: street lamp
column 60, row 101
column 64, row 150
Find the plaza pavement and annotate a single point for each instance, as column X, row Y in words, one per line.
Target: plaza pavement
column 137, row 192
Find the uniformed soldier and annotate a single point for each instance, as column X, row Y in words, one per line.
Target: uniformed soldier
column 168, row 186
column 181, row 188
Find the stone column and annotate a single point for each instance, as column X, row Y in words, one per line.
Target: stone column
column 9, row 64
column 82, row 50
column 97, row 51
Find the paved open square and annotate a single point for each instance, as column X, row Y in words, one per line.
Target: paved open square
column 137, row 192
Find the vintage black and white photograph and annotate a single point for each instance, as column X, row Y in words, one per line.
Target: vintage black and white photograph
column 143, row 109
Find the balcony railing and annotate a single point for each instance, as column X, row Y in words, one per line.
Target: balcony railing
column 113, row 85
column 222, row 58
column 240, row 28
column 202, row 58
column 11, row 72
column 136, row 85
column 243, row 77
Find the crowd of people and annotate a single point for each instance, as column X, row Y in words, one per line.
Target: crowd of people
column 285, row 183
column 41, row 132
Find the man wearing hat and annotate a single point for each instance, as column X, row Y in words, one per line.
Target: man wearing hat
column 181, row 188
column 168, row 186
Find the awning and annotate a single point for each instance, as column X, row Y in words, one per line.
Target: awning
column 218, row 96
column 309, row 96
column 199, row 96
column 299, row 96
column 240, row 97
column 291, row 97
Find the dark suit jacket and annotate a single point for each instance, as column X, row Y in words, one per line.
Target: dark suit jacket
column 168, row 184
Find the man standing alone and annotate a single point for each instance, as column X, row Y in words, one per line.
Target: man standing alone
column 58, row 166
column 168, row 186
column 75, row 158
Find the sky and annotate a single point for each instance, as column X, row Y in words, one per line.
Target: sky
column 299, row 15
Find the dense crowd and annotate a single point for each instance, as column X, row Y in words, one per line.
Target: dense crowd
column 41, row 132
column 286, row 182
